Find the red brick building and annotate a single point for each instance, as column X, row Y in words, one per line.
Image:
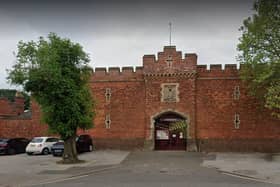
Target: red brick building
column 12, row 108
column 136, row 108
column 171, row 103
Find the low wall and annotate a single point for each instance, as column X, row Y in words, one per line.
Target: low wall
column 239, row 145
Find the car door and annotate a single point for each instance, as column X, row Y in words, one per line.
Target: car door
column 49, row 143
column 81, row 143
column 12, row 146
column 23, row 143
column 53, row 141
column 17, row 145
column 88, row 143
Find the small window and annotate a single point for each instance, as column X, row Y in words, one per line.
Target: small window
column 236, row 121
column 82, row 137
column 23, row 140
column 236, row 93
column 55, row 139
column 107, row 121
column 52, row 140
column 37, row 140
column 108, row 94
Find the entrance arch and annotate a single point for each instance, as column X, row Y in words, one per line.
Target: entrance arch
column 170, row 131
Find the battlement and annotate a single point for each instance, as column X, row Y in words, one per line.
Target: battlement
column 216, row 70
column 148, row 59
column 117, row 71
column 169, row 61
column 168, row 53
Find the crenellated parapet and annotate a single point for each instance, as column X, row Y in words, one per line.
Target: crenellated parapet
column 169, row 63
column 216, row 70
column 117, row 74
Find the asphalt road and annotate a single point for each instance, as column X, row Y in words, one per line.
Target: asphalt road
column 159, row 169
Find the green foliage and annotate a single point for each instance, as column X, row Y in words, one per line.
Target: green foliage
column 179, row 125
column 7, row 93
column 273, row 99
column 26, row 100
column 260, row 53
column 56, row 72
column 10, row 94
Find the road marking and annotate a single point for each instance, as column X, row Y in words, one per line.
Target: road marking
column 246, row 177
column 86, row 174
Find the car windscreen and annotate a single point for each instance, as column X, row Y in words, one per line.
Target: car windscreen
column 3, row 141
column 37, row 140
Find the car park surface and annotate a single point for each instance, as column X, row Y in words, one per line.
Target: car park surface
column 24, row 170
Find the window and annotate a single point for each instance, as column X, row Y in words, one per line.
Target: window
column 236, row 121
column 52, row 140
column 236, row 93
column 107, row 121
column 108, row 94
column 37, row 140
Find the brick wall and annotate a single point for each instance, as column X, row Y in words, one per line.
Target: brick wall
column 11, row 108
column 23, row 127
column 216, row 109
column 125, row 108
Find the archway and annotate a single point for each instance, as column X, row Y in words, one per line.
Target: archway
column 170, row 132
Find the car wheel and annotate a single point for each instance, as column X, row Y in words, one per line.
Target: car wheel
column 45, row 151
column 29, row 153
column 11, row 151
column 90, row 148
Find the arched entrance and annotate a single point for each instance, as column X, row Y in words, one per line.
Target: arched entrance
column 170, row 132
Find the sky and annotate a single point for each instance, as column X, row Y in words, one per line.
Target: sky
column 118, row 33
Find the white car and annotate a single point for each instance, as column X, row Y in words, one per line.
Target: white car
column 40, row 145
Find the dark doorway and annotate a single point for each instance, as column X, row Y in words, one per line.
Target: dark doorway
column 170, row 132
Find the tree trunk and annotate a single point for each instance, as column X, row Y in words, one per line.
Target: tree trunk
column 70, row 152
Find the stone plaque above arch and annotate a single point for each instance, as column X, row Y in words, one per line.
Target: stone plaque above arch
column 169, row 92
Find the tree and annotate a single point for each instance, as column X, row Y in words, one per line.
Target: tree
column 56, row 72
column 260, row 54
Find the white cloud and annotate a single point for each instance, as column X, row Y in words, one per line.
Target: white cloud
column 121, row 35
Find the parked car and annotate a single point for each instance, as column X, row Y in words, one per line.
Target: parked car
column 13, row 145
column 41, row 145
column 83, row 144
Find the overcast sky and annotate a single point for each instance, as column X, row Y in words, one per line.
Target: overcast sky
column 119, row 33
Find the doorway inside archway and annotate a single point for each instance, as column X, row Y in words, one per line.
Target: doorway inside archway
column 170, row 132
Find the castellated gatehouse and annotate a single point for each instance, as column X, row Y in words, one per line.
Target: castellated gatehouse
column 171, row 103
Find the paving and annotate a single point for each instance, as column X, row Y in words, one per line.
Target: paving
column 263, row 167
column 24, row 170
column 160, row 169
column 143, row 168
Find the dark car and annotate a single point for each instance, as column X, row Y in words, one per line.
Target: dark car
column 13, row 145
column 83, row 144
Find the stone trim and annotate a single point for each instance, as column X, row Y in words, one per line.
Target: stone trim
column 185, row 74
column 218, row 78
column 150, row 142
column 176, row 99
column 102, row 81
